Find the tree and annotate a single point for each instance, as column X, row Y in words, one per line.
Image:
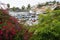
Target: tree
column 54, row 1
column 29, row 7
column 39, row 5
column 23, row 7
column 10, row 29
column 48, row 27
column 57, row 8
column 47, row 3
column 14, row 8
column 58, row 2
column 8, row 5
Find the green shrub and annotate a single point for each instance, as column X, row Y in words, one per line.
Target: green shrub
column 48, row 27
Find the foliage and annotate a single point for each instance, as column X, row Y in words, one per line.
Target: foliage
column 39, row 5
column 14, row 8
column 23, row 7
column 29, row 7
column 47, row 3
column 57, row 8
column 48, row 27
column 8, row 5
column 10, row 29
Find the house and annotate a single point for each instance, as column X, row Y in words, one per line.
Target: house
column 44, row 8
column 39, row 10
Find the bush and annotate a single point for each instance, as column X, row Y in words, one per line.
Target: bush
column 48, row 27
column 10, row 29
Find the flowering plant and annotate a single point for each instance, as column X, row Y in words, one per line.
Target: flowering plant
column 10, row 29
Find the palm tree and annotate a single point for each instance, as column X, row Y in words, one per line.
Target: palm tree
column 8, row 5
column 28, row 7
column 23, row 7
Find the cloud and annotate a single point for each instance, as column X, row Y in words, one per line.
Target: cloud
column 19, row 3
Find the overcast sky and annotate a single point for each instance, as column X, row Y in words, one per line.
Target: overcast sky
column 19, row 3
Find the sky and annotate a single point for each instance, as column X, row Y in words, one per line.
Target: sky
column 20, row 3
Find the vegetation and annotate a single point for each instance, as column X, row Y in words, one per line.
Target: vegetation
column 8, row 5
column 39, row 5
column 57, row 8
column 48, row 27
column 10, row 29
column 14, row 8
column 28, row 7
column 23, row 8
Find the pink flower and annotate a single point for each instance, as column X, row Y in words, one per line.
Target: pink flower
column 6, row 35
column 14, row 19
column 1, row 32
column 9, row 24
column 4, row 27
column 11, row 37
column 0, row 38
column 5, row 11
column 13, row 31
column 0, row 22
